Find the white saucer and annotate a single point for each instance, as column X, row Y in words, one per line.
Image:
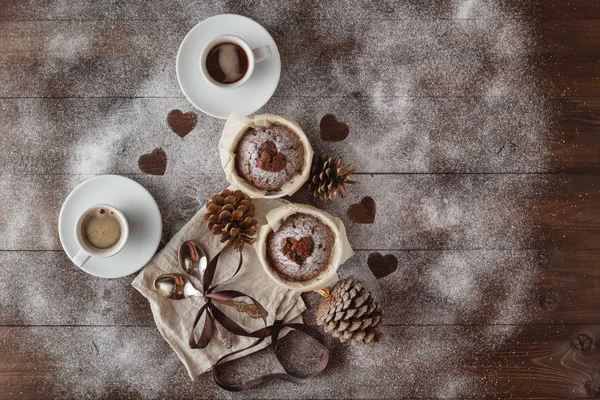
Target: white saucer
column 139, row 207
column 219, row 102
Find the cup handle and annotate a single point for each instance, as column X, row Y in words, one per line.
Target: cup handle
column 261, row 54
column 81, row 257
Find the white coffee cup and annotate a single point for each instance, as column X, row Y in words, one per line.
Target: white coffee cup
column 254, row 56
column 85, row 251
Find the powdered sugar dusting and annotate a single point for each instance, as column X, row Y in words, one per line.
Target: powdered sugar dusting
column 111, row 362
column 467, row 302
column 286, row 142
column 445, row 211
column 464, row 8
column 298, row 226
column 51, row 291
column 454, row 281
column 420, row 95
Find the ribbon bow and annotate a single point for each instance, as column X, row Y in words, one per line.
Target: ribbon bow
column 273, row 331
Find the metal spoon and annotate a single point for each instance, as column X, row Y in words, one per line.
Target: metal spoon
column 192, row 259
column 178, row 286
column 175, row 286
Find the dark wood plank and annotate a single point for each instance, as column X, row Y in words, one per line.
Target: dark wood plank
column 483, row 287
column 427, row 288
column 572, row 79
column 89, row 58
column 416, row 211
column 576, row 146
column 447, row 58
column 449, row 361
column 568, row 195
column 91, row 136
column 385, row 9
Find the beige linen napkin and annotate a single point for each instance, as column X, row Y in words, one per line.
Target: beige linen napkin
column 174, row 318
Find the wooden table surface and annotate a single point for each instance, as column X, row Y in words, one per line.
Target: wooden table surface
column 475, row 129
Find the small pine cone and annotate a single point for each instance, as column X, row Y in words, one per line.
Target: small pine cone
column 329, row 178
column 231, row 215
column 349, row 312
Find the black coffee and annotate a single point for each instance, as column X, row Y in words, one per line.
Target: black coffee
column 227, row 63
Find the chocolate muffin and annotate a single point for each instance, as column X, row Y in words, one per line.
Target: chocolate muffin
column 268, row 157
column 301, row 248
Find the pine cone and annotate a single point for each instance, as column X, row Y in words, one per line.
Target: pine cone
column 231, row 215
column 329, row 178
column 350, row 312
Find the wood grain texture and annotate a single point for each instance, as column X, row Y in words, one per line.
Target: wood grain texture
column 579, row 127
column 563, row 287
column 475, row 129
column 49, row 136
column 460, row 210
column 41, row 288
column 539, row 361
column 137, row 58
column 181, row 10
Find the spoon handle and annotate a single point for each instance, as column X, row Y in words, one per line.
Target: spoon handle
column 242, row 307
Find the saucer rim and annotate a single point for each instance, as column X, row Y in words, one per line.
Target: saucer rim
column 178, row 57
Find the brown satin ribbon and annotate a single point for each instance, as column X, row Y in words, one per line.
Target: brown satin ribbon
column 212, row 313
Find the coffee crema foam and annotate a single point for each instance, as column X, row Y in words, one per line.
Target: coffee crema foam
column 101, row 230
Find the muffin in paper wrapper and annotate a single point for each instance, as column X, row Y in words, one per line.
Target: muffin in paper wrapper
column 339, row 254
column 234, row 129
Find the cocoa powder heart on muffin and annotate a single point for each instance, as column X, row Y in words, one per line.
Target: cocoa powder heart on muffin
column 269, row 158
column 297, row 250
column 301, row 247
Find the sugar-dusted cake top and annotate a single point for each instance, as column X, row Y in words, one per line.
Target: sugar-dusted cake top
column 301, row 248
column 268, row 157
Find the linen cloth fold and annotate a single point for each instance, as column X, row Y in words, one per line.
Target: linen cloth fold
column 174, row 318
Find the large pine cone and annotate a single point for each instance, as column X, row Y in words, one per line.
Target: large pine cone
column 231, row 215
column 329, row 178
column 351, row 313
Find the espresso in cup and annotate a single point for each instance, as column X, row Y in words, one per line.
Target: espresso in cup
column 102, row 230
column 227, row 63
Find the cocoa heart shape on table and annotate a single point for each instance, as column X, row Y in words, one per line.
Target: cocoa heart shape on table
column 380, row 265
column 182, row 123
column 333, row 130
column 154, row 163
column 363, row 212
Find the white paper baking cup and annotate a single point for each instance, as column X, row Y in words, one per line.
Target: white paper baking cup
column 340, row 253
column 234, row 129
